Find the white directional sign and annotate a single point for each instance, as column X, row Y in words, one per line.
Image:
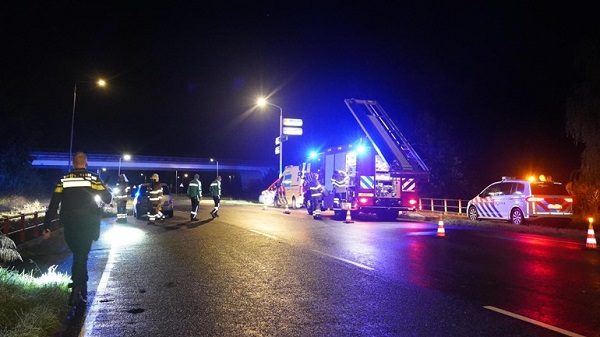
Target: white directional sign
column 277, row 141
column 292, row 131
column 277, row 149
column 292, row 122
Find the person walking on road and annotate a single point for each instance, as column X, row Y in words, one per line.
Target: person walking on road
column 194, row 192
column 80, row 217
column 215, row 190
column 155, row 195
column 121, row 197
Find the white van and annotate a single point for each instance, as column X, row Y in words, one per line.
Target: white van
column 291, row 193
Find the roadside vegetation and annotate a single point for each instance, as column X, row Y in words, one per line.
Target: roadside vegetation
column 31, row 306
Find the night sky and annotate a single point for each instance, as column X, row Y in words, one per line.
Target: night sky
column 183, row 76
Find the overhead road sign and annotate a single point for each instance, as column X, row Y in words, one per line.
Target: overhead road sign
column 292, row 122
column 292, row 131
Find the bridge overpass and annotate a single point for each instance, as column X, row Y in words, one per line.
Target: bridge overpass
column 108, row 164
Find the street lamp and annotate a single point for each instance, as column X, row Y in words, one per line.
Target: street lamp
column 262, row 102
column 126, row 157
column 100, row 83
column 212, row 160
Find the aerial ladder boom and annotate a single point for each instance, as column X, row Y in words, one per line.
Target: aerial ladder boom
column 387, row 140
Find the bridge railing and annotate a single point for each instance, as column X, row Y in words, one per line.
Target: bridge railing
column 24, row 226
column 450, row 206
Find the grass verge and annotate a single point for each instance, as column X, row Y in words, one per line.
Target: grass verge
column 33, row 306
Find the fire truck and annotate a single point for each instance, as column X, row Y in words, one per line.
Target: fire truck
column 383, row 170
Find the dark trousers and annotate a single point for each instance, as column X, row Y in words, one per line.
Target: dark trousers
column 195, row 204
column 79, row 239
column 217, row 201
column 122, row 207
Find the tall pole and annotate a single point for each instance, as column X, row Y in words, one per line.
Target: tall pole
column 72, row 123
column 280, row 140
column 119, row 174
column 262, row 102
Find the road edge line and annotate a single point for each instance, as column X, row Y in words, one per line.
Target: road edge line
column 533, row 321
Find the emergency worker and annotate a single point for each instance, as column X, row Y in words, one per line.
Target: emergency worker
column 121, row 198
column 340, row 182
column 315, row 191
column 80, row 217
column 215, row 190
column 194, row 192
column 280, row 193
column 155, row 195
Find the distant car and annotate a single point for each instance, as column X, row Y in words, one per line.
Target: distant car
column 141, row 202
column 520, row 200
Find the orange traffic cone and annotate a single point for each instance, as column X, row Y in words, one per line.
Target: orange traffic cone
column 591, row 237
column 348, row 217
column 287, row 209
column 441, row 231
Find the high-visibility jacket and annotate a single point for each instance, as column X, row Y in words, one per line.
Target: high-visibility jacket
column 76, row 194
column 215, row 188
column 124, row 190
column 195, row 189
column 156, row 193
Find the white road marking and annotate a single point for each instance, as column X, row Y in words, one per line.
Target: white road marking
column 265, row 234
column 360, row 265
column 88, row 328
column 533, row 321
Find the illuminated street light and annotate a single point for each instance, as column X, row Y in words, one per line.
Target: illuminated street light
column 213, row 160
column 126, row 157
column 100, row 83
column 262, row 102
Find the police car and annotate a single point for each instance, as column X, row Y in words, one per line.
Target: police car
column 520, row 200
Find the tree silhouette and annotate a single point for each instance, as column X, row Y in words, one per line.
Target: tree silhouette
column 583, row 125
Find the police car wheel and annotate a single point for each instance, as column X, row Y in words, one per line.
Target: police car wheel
column 473, row 213
column 516, row 216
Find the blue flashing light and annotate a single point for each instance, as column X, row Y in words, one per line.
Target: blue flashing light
column 360, row 149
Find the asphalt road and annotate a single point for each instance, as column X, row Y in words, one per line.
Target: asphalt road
column 265, row 273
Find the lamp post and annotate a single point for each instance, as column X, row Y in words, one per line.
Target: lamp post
column 213, row 160
column 262, row 102
column 126, row 157
column 100, row 83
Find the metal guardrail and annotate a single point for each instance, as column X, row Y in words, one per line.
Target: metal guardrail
column 24, row 226
column 448, row 206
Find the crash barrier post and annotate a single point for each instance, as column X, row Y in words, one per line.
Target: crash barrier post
column 441, row 231
column 590, row 242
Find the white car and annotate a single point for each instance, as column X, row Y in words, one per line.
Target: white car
column 520, row 200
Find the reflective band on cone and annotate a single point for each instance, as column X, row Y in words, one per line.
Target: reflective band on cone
column 287, row 209
column 591, row 238
column 441, row 231
column 348, row 217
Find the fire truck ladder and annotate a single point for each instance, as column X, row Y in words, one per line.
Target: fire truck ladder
column 387, row 139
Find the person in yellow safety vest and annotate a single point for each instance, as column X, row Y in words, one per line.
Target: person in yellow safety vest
column 315, row 190
column 155, row 195
column 340, row 182
column 123, row 190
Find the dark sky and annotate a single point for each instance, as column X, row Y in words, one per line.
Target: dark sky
column 184, row 76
